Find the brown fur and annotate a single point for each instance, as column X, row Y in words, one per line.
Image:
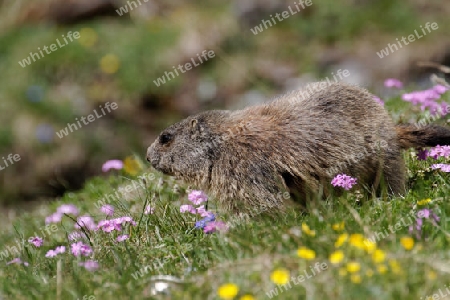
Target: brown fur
column 295, row 143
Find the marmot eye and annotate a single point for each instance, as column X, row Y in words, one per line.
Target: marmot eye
column 165, row 138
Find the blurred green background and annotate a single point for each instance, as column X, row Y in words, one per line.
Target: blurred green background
column 118, row 58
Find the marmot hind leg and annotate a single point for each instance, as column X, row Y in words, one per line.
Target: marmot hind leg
column 393, row 175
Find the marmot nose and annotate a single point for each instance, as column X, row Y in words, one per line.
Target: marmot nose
column 151, row 158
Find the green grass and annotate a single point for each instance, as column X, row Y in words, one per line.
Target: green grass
column 166, row 243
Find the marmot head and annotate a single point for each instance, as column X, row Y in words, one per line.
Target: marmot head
column 187, row 149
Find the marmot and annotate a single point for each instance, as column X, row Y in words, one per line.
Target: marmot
column 294, row 143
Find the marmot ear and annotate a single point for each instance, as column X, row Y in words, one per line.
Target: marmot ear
column 194, row 123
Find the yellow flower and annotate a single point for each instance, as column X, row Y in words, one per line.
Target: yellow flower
column 280, row 276
column 88, row 37
column 355, row 278
column 338, row 226
column 336, row 257
column 306, row 253
column 407, row 242
column 342, row 272
column 369, row 273
column 369, row 246
column 357, row 240
column 109, row 64
column 247, row 297
column 381, row 269
column 378, row 256
column 228, row 291
column 307, row 230
column 131, row 165
column 395, row 267
column 341, row 240
column 424, row 201
column 432, row 275
column 353, row 267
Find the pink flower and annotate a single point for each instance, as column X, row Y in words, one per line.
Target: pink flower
column 122, row 238
column 440, row 89
column 79, row 248
column 392, row 82
column 16, row 260
column 442, row 167
column 112, row 164
column 60, row 249
column 36, row 241
column 90, row 265
column 109, row 225
column 378, row 100
column 75, row 236
column 215, row 226
column 344, row 181
column 203, row 212
column 188, row 208
column 125, row 219
column 54, row 218
column 51, row 253
column 149, row 210
column 68, row 209
column 197, row 197
column 439, row 151
column 427, row 99
column 107, row 209
column 86, row 222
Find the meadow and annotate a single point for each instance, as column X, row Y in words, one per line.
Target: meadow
column 88, row 246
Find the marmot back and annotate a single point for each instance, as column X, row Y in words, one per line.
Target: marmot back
column 296, row 143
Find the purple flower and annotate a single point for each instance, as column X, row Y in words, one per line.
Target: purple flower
column 79, row 248
column 45, row 133
column 122, row 238
column 36, row 241
column 392, row 82
column 422, row 154
column 54, row 218
column 90, row 265
column 215, row 226
column 421, row 215
column 188, row 208
column 68, row 209
column 86, row 222
column 344, row 181
column 149, row 210
column 378, row 100
column 107, row 209
column 200, row 224
column 203, row 222
column 197, row 197
column 112, row 164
